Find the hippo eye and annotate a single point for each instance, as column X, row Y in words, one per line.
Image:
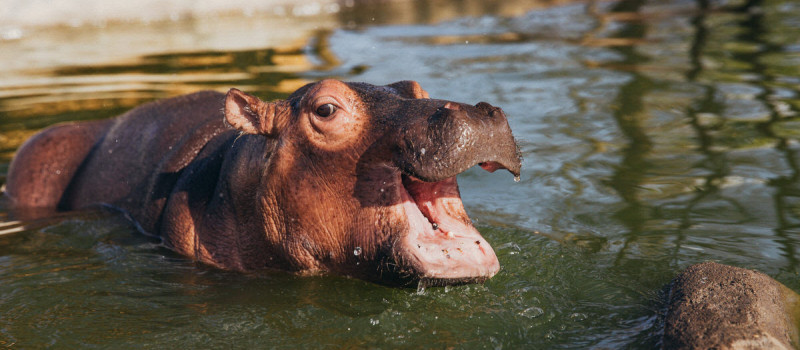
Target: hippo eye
column 326, row 110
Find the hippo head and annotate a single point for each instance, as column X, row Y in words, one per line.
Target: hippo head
column 360, row 180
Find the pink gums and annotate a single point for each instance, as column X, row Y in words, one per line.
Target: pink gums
column 441, row 242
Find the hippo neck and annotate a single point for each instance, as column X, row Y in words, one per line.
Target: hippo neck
column 214, row 213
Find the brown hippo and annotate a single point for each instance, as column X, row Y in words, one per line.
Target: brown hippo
column 347, row 178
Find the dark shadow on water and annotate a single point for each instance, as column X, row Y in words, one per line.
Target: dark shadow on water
column 787, row 188
column 629, row 108
column 713, row 161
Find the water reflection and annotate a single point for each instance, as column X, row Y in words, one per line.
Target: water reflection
column 679, row 177
column 77, row 93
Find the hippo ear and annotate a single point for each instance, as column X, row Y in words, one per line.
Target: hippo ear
column 409, row 89
column 250, row 115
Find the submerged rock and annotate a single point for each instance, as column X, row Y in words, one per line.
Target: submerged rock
column 715, row 306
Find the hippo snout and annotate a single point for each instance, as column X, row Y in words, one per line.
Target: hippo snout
column 435, row 141
column 455, row 137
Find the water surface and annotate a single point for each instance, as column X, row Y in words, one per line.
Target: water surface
column 656, row 135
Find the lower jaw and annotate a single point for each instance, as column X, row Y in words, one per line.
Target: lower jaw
column 447, row 260
column 415, row 251
column 455, row 253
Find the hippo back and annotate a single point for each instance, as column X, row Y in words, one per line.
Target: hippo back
column 136, row 163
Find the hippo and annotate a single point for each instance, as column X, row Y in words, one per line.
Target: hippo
column 341, row 177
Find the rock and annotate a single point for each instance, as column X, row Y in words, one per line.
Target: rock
column 715, row 306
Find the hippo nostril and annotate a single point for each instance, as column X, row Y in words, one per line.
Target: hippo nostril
column 452, row 106
column 498, row 113
column 495, row 112
column 484, row 106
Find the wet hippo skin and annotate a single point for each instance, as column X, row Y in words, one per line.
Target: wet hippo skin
column 347, row 178
column 715, row 306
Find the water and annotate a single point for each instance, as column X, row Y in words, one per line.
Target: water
column 656, row 134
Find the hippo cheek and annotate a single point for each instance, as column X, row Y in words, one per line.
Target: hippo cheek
column 440, row 246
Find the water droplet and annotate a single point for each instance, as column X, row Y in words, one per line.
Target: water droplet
column 357, row 251
column 374, row 322
column 422, row 151
column 517, row 178
column 382, row 190
column 578, row 316
column 532, row 312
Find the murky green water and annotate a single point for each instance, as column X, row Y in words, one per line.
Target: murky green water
column 656, row 134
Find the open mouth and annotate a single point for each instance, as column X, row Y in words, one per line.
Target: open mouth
column 441, row 245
